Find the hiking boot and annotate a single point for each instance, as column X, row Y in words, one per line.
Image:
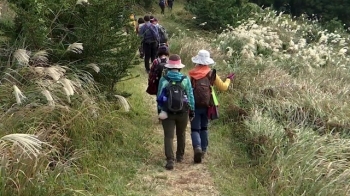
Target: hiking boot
column 169, row 165
column 197, row 155
column 179, row 159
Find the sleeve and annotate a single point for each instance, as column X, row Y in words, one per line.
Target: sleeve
column 141, row 30
column 222, row 86
column 189, row 91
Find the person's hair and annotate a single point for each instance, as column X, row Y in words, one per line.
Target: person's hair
column 146, row 18
column 163, row 53
column 140, row 21
column 151, row 17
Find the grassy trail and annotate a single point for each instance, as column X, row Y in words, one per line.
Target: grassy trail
column 152, row 178
column 219, row 174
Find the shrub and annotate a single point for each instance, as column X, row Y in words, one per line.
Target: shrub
column 54, row 25
column 213, row 15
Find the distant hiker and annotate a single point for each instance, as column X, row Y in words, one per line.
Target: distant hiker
column 176, row 104
column 202, row 77
column 163, row 36
column 140, row 23
column 162, row 4
column 150, row 41
column 170, row 4
column 157, row 70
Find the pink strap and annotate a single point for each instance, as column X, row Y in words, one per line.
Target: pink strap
column 178, row 62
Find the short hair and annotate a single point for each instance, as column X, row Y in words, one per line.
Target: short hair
column 161, row 53
column 140, row 21
column 146, row 18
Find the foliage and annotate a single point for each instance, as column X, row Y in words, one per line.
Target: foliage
column 54, row 25
column 80, row 130
column 213, row 15
column 287, row 108
column 322, row 10
column 284, row 104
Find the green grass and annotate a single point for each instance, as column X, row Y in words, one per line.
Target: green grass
column 227, row 160
column 98, row 155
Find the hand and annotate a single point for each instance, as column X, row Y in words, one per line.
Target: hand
column 191, row 115
column 231, row 76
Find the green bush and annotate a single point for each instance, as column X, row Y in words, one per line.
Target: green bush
column 213, row 15
column 56, row 25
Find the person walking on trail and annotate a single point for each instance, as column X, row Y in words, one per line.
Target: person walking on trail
column 157, row 70
column 162, row 4
column 150, row 41
column 140, row 23
column 163, row 36
column 170, row 4
column 175, row 104
column 203, row 78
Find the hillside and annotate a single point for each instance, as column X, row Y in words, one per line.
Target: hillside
column 283, row 128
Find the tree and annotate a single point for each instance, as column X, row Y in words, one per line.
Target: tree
column 94, row 24
column 215, row 14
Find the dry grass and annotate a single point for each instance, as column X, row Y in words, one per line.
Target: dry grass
column 63, row 107
column 292, row 82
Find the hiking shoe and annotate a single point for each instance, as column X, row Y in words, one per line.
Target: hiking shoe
column 179, row 159
column 169, row 165
column 197, row 155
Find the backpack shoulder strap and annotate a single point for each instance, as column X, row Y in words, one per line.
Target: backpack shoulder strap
column 167, row 78
column 182, row 78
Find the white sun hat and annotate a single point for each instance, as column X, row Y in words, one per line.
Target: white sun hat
column 203, row 58
column 174, row 62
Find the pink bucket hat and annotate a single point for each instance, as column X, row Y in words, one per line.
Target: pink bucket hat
column 174, row 62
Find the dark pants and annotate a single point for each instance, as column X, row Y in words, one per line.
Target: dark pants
column 174, row 122
column 141, row 50
column 199, row 129
column 170, row 4
column 150, row 51
column 162, row 8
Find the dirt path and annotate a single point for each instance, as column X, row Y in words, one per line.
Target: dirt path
column 186, row 179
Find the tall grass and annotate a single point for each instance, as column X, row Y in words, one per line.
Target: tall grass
column 287, row 108
column 292, row 81
column 81, row 143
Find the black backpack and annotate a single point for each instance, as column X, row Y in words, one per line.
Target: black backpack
column 176, row 102
column 163, row 36
column 156, row 72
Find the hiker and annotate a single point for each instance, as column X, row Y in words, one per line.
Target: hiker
column 163, row 36
column 170, row 4
column 140, row 23
column 150, row 41
column 202, row 78
column 176, row 105
column 157, row 70
column 162, row 4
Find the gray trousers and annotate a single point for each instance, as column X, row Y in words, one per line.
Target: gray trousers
column 175, row 123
